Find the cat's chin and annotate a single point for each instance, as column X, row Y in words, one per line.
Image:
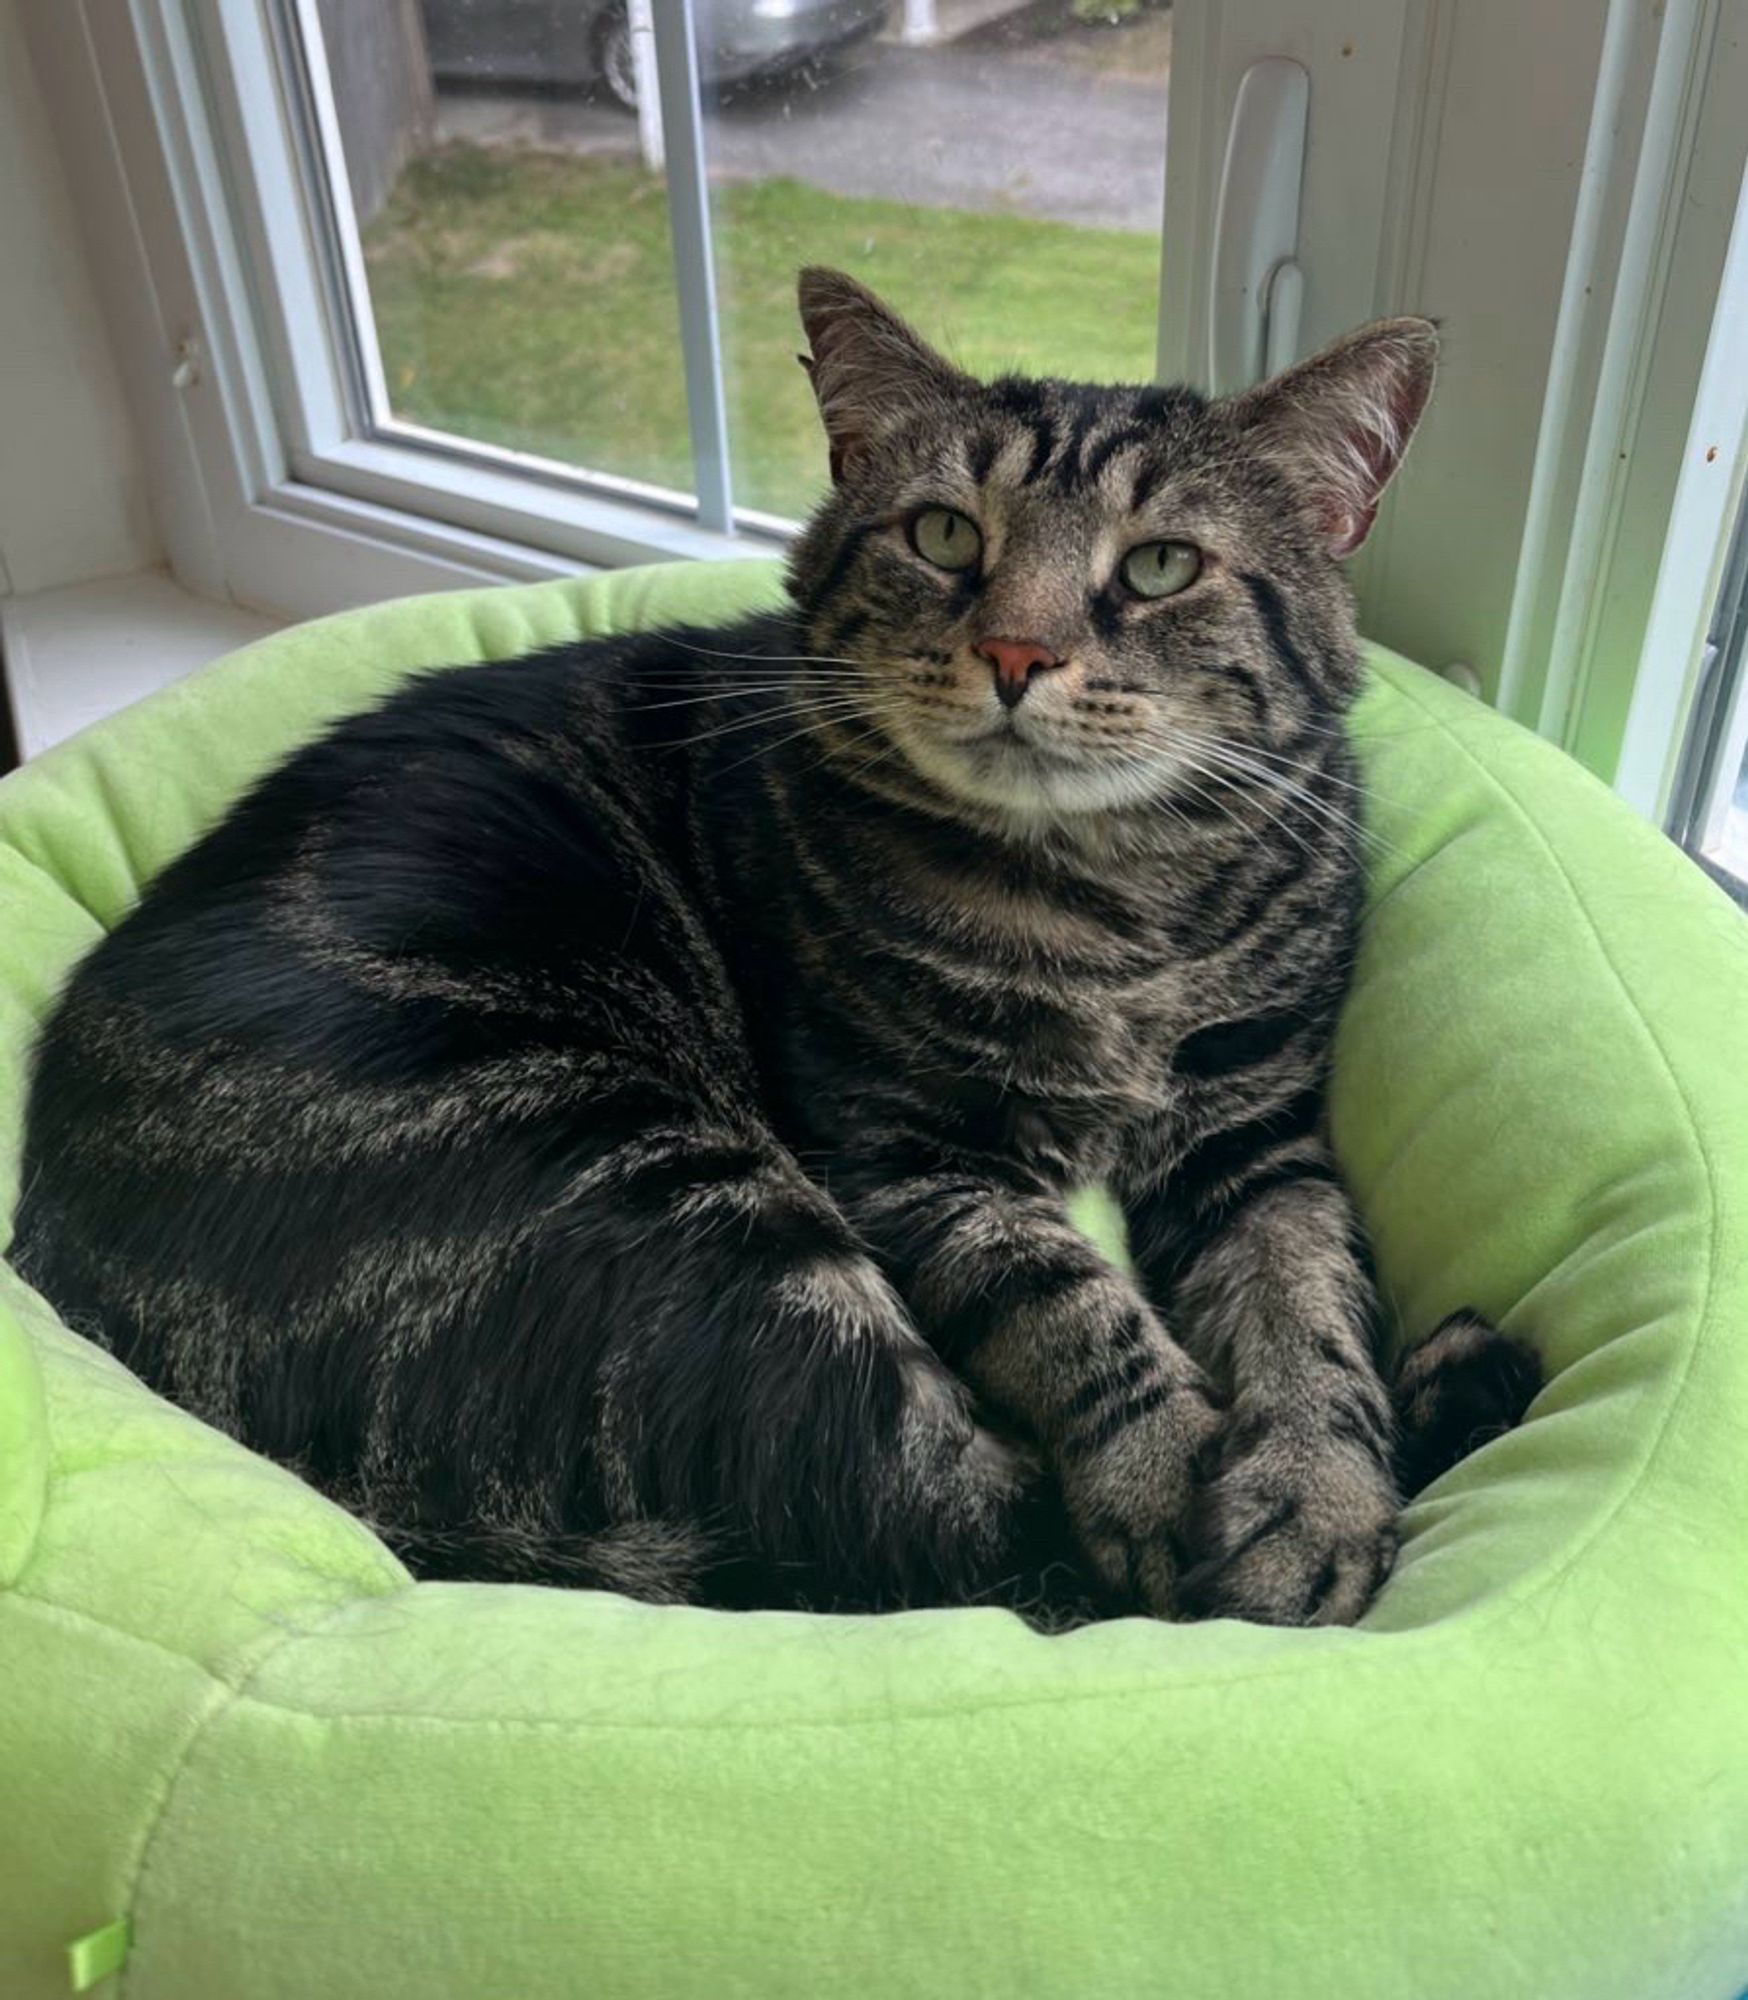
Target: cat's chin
column 1007, row 775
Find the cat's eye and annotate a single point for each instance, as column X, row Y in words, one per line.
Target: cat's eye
column 1161, row 569
column 947, row 539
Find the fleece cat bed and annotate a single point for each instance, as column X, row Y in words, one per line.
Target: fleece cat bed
column 242, row 1754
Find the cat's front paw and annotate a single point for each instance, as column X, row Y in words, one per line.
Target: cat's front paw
column 955, row 1483
column 1296, row 1527
column 1129, row 1479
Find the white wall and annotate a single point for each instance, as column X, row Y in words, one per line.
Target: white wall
column 73, row 500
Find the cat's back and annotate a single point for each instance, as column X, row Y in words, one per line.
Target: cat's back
column 390, row 825
column 476, row 816
column 366, row 1005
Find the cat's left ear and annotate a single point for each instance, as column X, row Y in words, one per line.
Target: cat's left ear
column 1339, row 423
column 867, row 366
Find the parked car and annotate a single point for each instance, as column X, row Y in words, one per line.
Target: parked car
column 581, row 43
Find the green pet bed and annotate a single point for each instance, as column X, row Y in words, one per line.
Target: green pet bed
column 242, row 1754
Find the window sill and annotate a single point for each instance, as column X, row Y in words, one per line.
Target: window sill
column 79, row 653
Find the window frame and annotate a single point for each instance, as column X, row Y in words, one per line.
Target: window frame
column 1688, row 697
column 275, row 483
column 299, row 209
column 1644, row 441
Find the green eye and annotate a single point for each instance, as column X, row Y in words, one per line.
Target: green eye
column 946, row 539
column 1161, row 569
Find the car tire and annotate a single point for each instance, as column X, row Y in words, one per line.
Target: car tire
column 613, row 57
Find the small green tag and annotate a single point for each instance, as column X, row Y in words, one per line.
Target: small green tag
column 96, row 1955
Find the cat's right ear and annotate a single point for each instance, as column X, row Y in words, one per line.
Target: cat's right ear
column 866, row 365
column 1341, row 421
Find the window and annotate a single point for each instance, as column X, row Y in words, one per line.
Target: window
column 1710, row 809
column 406, row 298
column 543, row 270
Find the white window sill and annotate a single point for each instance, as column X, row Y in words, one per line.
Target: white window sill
column 77, row 654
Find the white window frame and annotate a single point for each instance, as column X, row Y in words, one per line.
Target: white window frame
column 342, row 430
column 1668, row 769
column 1643, row 444
column 281, row 481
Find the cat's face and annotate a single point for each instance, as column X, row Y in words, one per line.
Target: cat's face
column 1056, row 600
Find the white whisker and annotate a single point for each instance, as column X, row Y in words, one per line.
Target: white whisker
column 771, row 659
column 847, row 709
column 1226, row 763
column 765, row 749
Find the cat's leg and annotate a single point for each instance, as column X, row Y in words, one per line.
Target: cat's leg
column 690, row 1345
column 1017, row 1300
column 1253, row 1247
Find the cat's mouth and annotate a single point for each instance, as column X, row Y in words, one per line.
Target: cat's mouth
column 1005, row 743
column 1012, row 766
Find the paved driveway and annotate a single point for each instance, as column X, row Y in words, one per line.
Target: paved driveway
column 948, row 128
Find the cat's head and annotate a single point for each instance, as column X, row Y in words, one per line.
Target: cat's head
column 1051, row 599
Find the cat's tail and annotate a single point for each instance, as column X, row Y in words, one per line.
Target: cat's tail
column 662, row 1562
column 1465, row 1383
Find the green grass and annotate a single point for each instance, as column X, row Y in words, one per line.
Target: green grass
column 527, row 299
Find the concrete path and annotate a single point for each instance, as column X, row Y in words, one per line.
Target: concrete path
column 940, row 127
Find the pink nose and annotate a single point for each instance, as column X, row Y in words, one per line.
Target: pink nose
column 1015, row 662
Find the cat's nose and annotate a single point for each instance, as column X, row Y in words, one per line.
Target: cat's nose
column 1015, row 662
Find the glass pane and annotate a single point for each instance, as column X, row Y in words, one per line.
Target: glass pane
column 1732, row 849
column 994, row 167
column 515, row 247
column 1716, row 829
column 996, row 171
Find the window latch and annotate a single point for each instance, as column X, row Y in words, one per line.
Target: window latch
column 1258, row 288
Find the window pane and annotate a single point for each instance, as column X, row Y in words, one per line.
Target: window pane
column 1716, row 776
column 515, row 247
column 1002, row 185
column 1732, row 855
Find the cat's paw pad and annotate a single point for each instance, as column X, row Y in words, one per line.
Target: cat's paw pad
column 1295, row 1528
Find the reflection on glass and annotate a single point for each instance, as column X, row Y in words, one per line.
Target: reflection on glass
column 1001, row 183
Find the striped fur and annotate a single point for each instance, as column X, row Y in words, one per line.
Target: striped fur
column 607, row 1116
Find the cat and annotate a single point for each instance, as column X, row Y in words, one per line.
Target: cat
column 607, row 1117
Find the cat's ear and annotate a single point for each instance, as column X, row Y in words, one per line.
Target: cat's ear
column 1340, row 422
column 865, row 364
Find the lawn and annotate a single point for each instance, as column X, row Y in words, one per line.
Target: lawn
column 526, row 298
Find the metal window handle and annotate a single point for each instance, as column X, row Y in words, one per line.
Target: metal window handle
column 1258, row 288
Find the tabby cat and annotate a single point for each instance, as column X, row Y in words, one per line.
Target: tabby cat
column 607, row 1117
